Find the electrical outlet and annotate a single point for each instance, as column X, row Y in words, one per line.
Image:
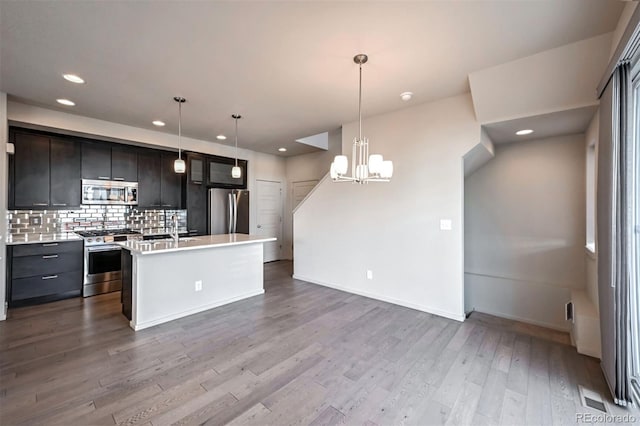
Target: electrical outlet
column 445, row 225
column 369, row 274
column 199, row 285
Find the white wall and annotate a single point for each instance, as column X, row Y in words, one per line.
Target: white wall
column 3, row 201
column 623, row 22
column 592, row 136
column 554, row 80
column 393, row 228
column 525, row 230
column 479, row 155
column 306, row 167
column 261, row 166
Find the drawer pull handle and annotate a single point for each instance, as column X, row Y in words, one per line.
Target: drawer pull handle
column 60, row 204
column 50, row 256
column 50, row 245
column 104, row 177
column 50, row 277
column 118, row 178
column 40, row 204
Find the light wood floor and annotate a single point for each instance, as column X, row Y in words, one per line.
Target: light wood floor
column 300, row 354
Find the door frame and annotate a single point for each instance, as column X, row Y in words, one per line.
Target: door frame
column 280, row 208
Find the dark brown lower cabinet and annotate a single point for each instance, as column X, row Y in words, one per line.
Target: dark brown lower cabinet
column 43, row 272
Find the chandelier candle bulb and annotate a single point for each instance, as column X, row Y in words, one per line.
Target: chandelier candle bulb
column 387, row 169
column 375, row 164
column 341, row 164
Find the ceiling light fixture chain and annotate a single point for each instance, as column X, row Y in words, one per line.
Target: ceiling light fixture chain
column 179, row 166
column 364, row 167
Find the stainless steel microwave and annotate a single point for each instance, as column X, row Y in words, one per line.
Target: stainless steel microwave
column 109, row 192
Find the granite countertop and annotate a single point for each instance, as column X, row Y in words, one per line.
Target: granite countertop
column 192, row 243
column 42, row 238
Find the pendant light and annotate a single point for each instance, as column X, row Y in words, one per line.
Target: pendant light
column 179, row 165
column 236, row 172
column 364, row 167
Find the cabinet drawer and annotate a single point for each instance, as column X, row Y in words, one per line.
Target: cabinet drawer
column 46, row 264
column 45, row 285
column 47, row 248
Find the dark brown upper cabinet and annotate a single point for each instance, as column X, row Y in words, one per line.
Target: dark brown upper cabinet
column 171, row 182
column 65, row 173
column 45, row 172
column 149, row 174
column 31, row 175
column 219, row 173
column 96, row 161
column 124, row 164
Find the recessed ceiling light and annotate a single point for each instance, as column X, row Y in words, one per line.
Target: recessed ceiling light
column 73, row 78
column 406, row 96
column 524, row 132
column 66, row 102
column 158, row 123
column 283, row 149
column 221, row 137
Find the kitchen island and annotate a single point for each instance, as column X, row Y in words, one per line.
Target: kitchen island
column 166, row 280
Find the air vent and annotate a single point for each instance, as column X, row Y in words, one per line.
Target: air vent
column 591, row 399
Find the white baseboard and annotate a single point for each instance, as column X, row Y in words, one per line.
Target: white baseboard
column 406, row 304
column 552, row 326
column 188, row 312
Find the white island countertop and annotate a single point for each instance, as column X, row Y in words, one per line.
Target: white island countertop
column 60, row 237
column 192, row 243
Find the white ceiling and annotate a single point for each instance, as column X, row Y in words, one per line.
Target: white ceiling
column 285, row 66
column 567, row 122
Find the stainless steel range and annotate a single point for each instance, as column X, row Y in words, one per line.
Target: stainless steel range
column 102, row 271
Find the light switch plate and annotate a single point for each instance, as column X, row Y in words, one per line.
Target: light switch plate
column 445, row 225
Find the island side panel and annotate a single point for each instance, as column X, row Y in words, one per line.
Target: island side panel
column 127, row 277
column 165, row 284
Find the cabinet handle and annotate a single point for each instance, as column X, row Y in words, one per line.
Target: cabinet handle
column 104, row 177
column 50, row 256
column 40, row 204
column 60, row 204
column 118, row 178
column 197, row 182
column 50, row 277
column 50, row 245
column 166, row 205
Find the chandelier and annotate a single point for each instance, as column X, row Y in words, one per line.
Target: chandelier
column 364, row 167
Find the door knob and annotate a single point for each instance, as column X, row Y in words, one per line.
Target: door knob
column 259, row 226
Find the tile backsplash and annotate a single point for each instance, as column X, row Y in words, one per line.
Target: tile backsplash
column 92, row 217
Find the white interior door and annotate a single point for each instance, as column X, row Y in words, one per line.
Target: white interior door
column 300, row 190
column 269, row 216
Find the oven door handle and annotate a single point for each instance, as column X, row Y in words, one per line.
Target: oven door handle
column 104, row 248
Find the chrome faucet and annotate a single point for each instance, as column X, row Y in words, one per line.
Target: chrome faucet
column 174, row 228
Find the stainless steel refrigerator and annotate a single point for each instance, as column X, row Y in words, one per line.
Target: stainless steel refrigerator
column 228, row 211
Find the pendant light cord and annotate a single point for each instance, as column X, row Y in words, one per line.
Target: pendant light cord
column 179, row 130
column 236, row 142
column 360, row 105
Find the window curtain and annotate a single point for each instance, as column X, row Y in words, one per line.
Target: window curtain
column 615, row 231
